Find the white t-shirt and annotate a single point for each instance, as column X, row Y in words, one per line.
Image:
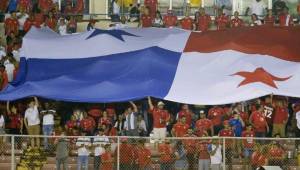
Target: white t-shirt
column 298, row 119
column 258, row 8
column 116, row 8
column 2, row 122
column 83, row 151
column 22, row 20
column 48, row 119
column 99, row 150
column 217, row 157
column 32, row 116
column 101, row 140
column 9, row 68
column 62, row 29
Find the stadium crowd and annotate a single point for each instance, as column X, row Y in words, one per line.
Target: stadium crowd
column 270, row 116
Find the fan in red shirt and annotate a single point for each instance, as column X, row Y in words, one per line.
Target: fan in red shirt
column 258, row 157
column 202, row 152
column 285, row 19
column 95, row 112
column 180, row 128
column 187, row 22
column 203, row 21
column 165, row 151
column 229, row 143
column 15, row 120
column 222, row 20
column 248, row 143
column 107, row 159
column 29, row 23
column 71, row 124
column 38, row 19
column 143, row 156
column 152, row 5
column 215, row 114
column 3, row 5
column 236, row 21
column 187, row 113
column 3, row 77
column 79, row 7
column 160, row 119
column 189, row 145
column 45, row 5
column 269, row 19
column 105, row 120
column 51, row 21
column 259, row 122
column 280, row 119
column 87, row 124
column 203, row 125
column 126, row 154
column 146, row 19
column 11, row 25
column 24, row 5
column 170, row 20
column 276, row 155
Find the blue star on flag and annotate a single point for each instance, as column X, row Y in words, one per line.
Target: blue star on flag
column 115, row 33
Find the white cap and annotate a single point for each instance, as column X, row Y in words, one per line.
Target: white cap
column 160, row 103
column 201, row 111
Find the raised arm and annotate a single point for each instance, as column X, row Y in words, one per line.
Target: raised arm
column 150, row 103
column 36, row 102
column 135, row 109
column 7, row 108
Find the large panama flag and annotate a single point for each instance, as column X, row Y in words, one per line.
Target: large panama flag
column 216, row 67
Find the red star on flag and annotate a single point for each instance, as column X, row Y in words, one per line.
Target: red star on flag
column 259, row 75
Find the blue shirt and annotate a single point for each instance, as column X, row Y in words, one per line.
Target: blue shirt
column 12, row 6
column 237, row 127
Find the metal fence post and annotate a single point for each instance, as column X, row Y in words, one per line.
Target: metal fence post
column 118, row 155
column 12, row 152
column 224, row 154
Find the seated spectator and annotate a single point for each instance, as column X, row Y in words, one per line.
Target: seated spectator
column 51, row 21
column 255, row 21
column 143, row 156
column 181, row 162
column 258, row 120
column 62, row 27
column 180, row 128
column 68, row 11
column 285, row 19
column 87, row 124
column 105, row 120
column 187, row 22
column 83, row 144
column 259, row 157
column 298, row 12
column 269, row 19
column 106, row 159
column 165, row 155
column 204, row 21
column 221, row 20
column 158, row 22
column 278, row 7
column 236, row 21
column 24, row 5
column 280, row 119
column 141, row 125
column 276, row 153
column 62, row 152
column 29, row 23
column 170, row 20
column 203, row 125
column 72, row 25
column 11, row 24
column 146, row 19
column 185, row 112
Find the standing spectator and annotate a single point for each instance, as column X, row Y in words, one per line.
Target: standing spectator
column 32, row 121
column 91, row 25
column 3, row 77
column 269, row 19
column 225, row 6
column 62, row 152
column 189, row 145
column 87, row 124
column 204, row 125
column 39, row 18
column 257, row 7
column 45, row 5
column 203, row 154
column 106, row 159
column 187, row 22
column 131, row 120
column 248, row 143
column 146, row 19
column 83, row 144
column 236, row 21
column 126, row 154
column 29, row 23
column 216, row 114
column 105, row 120
column 3, row 5
column 187, row 113
column 215, row 152
column 48, row 123
column 258, row 120
column 79, row 7
column 24, row 5
column 72, row 25
column 180, row 154
column 165, row 151
column 15, row 119
column 276, row 154
column 278, row 7
column 180, row 128
column 12, row 6
column 296, row 110
column 2, row 132
column 158, row 21
column 237, row 124
column 152, row 5
column 285, row 19
column 221, row 20
column 119, row 125
column 268, row 110
column 298, row 11
column 11, row 24
column 115, row 17
column 170, row 20
column 143, row 156
column 228, row 132
column 99, row 141
column 62, row 27
column 160, row 119
column 258, row 157
column 51, row 21
column 10, row 68
column 22, row 17
column 203, row 21
column 280, row 119
column 141, row 126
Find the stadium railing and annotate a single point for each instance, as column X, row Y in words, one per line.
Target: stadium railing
column 148, row 153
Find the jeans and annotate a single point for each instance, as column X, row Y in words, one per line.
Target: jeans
column 47, row 131
column 83, row 161
column 63, row 161
column 97, row 162
column 248, row 152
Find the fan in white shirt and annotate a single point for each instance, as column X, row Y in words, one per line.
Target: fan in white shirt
column 62, row 28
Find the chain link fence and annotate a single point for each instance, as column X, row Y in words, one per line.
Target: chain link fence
column 137, row 153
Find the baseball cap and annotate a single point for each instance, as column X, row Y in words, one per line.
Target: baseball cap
column 201, row 111
column 160, row 103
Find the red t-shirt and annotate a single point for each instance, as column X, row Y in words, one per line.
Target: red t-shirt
column 248, row 143
column 259, row 121
column 144, row 157
column 45, row 5
column 39, row 19
column 187, row 114
column 227, row 133
column 146, row 21
column 203, row 125
column 187, row 23
column 189, row 144
column 236, row 22
column 281, row 115
column 51, row 23
column 180, row 129
column 215, row 115
column 170, row 20
column 283, row 19
column 202, row 148
column 165, row 151
column 269, row 21
column 160, row 118
column 87, row 124
column 106, row 156
column 24, row 4
column 3, row 5
column 15, row 121
column 11, row 26
column 126, row 153
column 257, row 159
column 28, row 24
column 221, row 22
column 152, row 5
column 4, row 79
column 71, row 124
column 203, row 22
column 79, row 6
column 105, row 121
column 95, row 113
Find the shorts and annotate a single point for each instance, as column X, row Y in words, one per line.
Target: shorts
column 34, row 129
column 159, row 133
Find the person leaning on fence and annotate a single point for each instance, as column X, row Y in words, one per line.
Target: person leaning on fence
column 83, row 144
column 32, row 121
column 166, row 155
column 125, row 154
column 62, row 152
column 143, row 156
column 106, row 158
